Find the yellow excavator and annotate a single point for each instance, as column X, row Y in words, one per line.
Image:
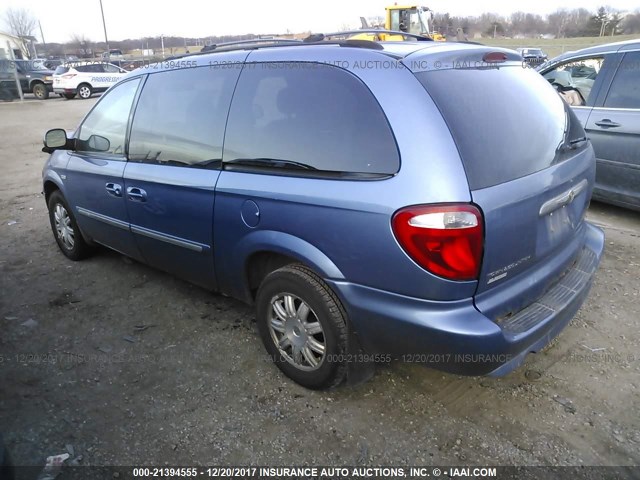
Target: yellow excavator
column 411, row 19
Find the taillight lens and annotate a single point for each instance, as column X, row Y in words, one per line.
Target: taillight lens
column 494, row 57
column 446, row 240
column 68, row 76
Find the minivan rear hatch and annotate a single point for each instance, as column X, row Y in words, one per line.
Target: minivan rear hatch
column 529, row 169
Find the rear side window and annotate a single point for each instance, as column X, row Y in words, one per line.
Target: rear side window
column 316, row 116
column 92, row 68
column 181, row 115
column 507, row 122
column 61, row 70
column 625, row 88
column 107, row 67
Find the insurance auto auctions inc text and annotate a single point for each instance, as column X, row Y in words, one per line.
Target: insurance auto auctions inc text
column 375, row 472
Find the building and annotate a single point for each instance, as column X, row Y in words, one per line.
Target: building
column 22, row 47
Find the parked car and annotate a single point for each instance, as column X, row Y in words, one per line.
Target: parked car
column 85, row 78
column 362, row 211
column 34, row 77
column 113, row 54
column 603, row 85
column 532, row 56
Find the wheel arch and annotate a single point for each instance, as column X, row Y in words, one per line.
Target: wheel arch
column 264, row 251
column 34, row 82
column 50, row 185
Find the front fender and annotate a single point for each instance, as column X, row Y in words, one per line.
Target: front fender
column 51, row 173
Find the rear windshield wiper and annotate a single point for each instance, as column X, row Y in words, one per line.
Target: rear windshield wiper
column 270, row 162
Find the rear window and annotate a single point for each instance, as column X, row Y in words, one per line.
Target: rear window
column 507, row 122
column 61, row 70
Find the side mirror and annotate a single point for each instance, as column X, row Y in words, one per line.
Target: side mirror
column 97, row 143
column 55, row 139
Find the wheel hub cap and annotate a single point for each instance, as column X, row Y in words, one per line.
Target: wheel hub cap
column 297, row 332
column 63, row 227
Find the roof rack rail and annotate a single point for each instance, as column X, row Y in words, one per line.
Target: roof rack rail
column 273, row 40
column 280, row 42
column 317, row 37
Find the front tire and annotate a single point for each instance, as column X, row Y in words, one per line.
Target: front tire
column 65, row 229
column 303, row 327
column 40, row 91
column 84, row 91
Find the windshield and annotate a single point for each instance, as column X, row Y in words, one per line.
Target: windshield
column 30, row 65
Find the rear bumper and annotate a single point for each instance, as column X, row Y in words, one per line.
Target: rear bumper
column 64, row 90
column 455, row 336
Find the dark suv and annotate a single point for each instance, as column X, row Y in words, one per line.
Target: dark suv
column 34, row 77
column 375, row 201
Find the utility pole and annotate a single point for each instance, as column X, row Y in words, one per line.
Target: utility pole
column 15, row 70
column 44, row 44
column 104, row 25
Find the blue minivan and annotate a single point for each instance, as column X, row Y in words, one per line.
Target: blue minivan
column 375, row 201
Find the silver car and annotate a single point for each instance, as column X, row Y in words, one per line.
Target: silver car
column 602, row 84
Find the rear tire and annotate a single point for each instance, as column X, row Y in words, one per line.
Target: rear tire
column 68, row 96
column 303, row 327
column 65, row 229
column 84, row 91
column 40, row 91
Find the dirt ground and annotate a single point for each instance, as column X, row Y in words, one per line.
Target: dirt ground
column 192, row 385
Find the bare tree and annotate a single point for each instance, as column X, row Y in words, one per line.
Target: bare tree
column 20, row 21
column 631, row 23
column 82, row 45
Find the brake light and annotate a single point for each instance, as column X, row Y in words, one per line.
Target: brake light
column 68, row 76
column 494, row 57
column 446, row 240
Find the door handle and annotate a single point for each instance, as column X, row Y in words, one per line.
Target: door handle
column 136, row 194
column 606, row 123
column 114, row 189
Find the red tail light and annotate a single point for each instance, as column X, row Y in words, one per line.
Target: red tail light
column 446, row 240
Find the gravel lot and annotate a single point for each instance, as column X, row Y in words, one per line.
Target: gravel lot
column 193, row 385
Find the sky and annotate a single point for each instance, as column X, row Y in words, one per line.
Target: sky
column 202, row 18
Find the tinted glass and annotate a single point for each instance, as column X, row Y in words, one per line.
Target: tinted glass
column 110, row 68
column 625, row 88
column 181, row 115
column 60, row 70
column 508, row 122
column 93, row 68
column 316, row 115
column 108, row 121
